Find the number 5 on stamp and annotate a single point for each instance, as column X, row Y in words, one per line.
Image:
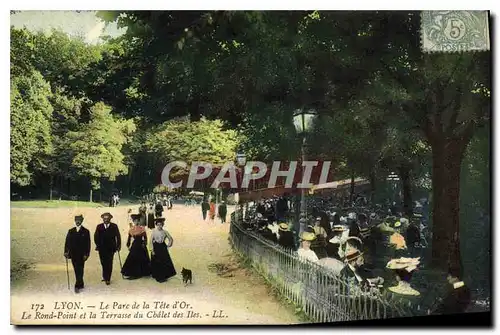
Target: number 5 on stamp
column 454, row 31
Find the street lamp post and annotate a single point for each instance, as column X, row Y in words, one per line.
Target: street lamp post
column 241, row 161
column 303, row 122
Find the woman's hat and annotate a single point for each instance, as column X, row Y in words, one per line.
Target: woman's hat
column 135, row 217
column 409, row 264
column 79, row 217
column 283, row 226
column 318, row 218
column 306, row 236
column 159, row 219
column 397, row 224
column 106, row 215
column 338, row 228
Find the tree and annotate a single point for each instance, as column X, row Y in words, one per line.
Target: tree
column 96, row 147
column 188, row 141
column 446, row 96
column 66, row 117
column 31, row 117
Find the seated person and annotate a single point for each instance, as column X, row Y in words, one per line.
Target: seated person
column 286, row 237
column 336, row 238
column 267, row 233
column 305, row 251
column 319, row 243
column 457, row 298
column 355, row 272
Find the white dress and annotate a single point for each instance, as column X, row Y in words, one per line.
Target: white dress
column 308, row 254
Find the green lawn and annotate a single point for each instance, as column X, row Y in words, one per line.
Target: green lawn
column 53, row 204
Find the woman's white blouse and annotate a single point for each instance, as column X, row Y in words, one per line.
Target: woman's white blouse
column 308, row 254
column 158, row 236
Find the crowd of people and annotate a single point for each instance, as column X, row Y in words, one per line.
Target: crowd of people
column 373, row 248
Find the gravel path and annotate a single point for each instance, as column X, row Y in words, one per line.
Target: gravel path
column 37, row 241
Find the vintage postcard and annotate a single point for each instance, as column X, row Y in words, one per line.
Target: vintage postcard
column 249, row 167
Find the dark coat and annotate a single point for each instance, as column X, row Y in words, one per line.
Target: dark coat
column 260, row 209
column 107, row 240
column 77, row 244
column 205, row 206
column 347, row 274
column 455, row 302
column 222, row 210
column 412, row 234
column 158, row 208
column 287, row 239
column 269, row 235
column 282, row 206
column 325, row 222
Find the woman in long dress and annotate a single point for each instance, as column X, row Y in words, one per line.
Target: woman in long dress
column 162, row 267
column 143, row 209
column 211, row 213
column 137, row 264
column 151, row 217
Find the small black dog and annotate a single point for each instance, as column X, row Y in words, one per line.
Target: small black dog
column 187, row 275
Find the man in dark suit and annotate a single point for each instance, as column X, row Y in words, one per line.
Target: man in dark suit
column 108, row 241
column 77, row 248
column 222, row 212
column 205, row 207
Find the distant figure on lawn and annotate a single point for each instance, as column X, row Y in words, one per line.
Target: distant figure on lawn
column 205, row 207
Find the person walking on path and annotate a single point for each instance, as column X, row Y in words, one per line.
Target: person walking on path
column 137, row 264
column 158, row 209
column 151, row 217
column 205, row 207
column 211, row 213
column 77, row 248
column 222, row 210
column 143, row 209
column 108, row 241
column 162, row 267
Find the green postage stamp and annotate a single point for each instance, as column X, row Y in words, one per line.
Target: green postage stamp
column 454, row 31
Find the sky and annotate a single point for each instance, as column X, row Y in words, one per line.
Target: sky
column 83, row 23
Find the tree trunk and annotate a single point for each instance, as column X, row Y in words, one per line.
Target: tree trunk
column 351, row 196
column 90, row 194
column 373, row 180
column 194, row 110
column 51, row 185
column 404, row 172
column 446, row 161
column 61, row 180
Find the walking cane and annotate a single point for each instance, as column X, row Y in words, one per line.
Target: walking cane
column 121, row 266
column 67, row 273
